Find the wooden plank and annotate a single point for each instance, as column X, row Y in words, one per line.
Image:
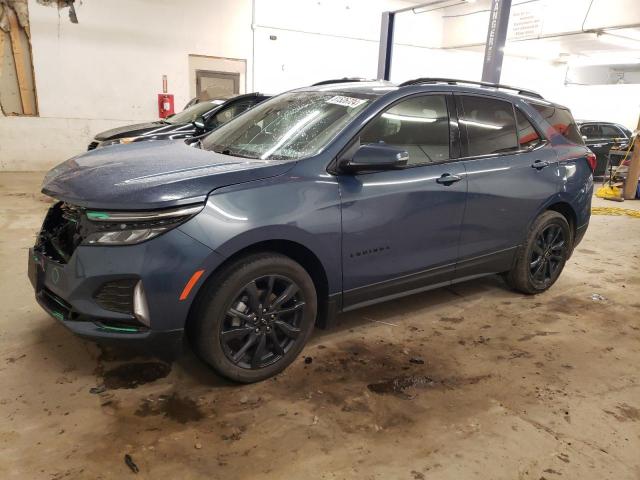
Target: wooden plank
column 18, row 59
column 1, row 63
column 631, row 185
column 1, row 51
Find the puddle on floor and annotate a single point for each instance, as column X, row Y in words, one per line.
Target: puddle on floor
column 131, row 375
column 174, row 407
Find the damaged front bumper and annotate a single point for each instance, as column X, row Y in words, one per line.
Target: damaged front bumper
column 124, row 294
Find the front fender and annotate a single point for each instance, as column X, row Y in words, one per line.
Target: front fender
column 304, row 210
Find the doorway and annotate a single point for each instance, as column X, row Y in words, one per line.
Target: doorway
column 212, row 85
column 216, row 77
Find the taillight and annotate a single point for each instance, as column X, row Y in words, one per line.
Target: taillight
column 592, row 161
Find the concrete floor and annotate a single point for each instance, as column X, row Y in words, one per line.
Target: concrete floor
column 512, row 387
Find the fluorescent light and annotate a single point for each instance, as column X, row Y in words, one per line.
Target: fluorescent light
column 619, row 41
column 408, row 118
column 438, row 4
column 596, row 59
column 633, row 33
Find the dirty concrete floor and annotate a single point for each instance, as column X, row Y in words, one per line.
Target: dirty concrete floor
column 472, row 381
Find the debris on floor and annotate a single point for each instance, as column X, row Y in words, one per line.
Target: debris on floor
column 130, row 463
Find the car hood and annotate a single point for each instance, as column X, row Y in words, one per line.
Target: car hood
column 151, row 175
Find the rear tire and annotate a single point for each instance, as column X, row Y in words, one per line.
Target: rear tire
column 541, row 259
column 254, row 317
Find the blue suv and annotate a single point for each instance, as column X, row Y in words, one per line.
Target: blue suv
column 317, row 201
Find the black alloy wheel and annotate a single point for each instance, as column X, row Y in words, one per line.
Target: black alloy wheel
column 262, row 322
column 547, row 255
column 253, row 317
column 543, row 254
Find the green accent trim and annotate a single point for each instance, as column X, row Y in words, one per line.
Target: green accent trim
column 97, row 215
column 119, row 329
column 58, row 315
column 58, row 302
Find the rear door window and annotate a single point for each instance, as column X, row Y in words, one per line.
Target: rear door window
column 561, row 120
column 591, row 131
column 528, row 136
column 611, row 132
column 419, row 125
column 490, row 125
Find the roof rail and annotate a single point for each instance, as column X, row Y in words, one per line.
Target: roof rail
column 341, row 80
column 453, row 81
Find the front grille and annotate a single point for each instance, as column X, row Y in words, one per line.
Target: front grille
column 117, row 295
column 61, row 232
column 93, row 145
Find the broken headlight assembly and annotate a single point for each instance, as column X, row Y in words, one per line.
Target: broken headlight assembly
column 128, row 228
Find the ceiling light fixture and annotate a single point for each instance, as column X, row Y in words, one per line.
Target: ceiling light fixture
column 438, row 4
column 618, row 41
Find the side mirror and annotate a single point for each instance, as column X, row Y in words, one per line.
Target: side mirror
column 375, row 156
column 199, row 123
column 584, row 137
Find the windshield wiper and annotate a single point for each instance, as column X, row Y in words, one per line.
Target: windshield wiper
column 233, row 153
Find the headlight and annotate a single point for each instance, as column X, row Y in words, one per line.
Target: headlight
column 116, row 141
column 127, row 228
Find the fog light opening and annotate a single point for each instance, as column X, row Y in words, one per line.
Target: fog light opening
column 140, row 307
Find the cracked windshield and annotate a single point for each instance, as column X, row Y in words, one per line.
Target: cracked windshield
column 289, row 127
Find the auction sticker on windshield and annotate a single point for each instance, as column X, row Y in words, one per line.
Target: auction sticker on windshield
column 350, row 102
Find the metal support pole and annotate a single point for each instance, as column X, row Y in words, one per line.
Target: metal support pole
column 386, row 45
column 496, row 38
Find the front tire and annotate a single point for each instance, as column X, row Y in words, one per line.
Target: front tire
column 254, row 317
column 542, row 258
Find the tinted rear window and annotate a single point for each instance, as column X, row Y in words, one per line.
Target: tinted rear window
column 527, row 135
column 561, row 120
column 490, row 124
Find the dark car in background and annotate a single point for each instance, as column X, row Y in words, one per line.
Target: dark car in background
column 195, row 120
column 601, row 137
column 319, row 200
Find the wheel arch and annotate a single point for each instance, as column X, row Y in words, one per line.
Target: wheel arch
column 566, row 210
column 288, row 248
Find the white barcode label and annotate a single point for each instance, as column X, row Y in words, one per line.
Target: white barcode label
column 350, row 102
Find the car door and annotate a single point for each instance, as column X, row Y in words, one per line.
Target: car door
column 400, row 228
column 511, row 174
column 594, row 139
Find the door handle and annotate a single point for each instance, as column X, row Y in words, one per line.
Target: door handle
column 447, row 179
column 540, row 164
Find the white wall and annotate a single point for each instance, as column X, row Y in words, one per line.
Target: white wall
column 317, row 40
column 613, row 103
column 107, row 69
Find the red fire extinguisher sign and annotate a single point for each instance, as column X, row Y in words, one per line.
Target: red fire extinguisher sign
column 165, row 105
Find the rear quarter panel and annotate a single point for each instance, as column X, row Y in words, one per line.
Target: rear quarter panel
column 574, row 173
